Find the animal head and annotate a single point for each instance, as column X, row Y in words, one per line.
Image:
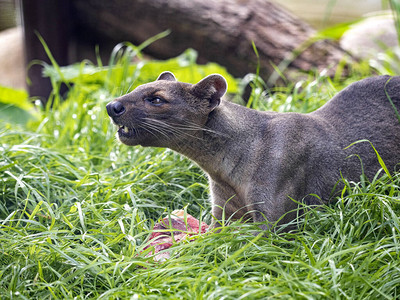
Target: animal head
column 166, row 111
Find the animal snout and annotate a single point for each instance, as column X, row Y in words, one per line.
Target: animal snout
column 115, row 109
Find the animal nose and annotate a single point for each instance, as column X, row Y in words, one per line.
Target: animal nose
column 115, row 109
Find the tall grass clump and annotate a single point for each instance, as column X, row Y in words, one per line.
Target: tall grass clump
column 77, row 207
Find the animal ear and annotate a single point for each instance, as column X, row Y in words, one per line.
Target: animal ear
column 212, row 88
column 166, row 76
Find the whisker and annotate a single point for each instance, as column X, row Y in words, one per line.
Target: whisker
column 187, row 125
column 165, row 132
column 177, row 131
column 154, row 130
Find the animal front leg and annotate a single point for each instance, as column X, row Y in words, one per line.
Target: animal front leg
column 226, row 204
column 273, row 208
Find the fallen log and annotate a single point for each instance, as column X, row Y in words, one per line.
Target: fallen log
column 222, row 31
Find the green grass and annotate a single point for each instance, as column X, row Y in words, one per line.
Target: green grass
column 77, row 207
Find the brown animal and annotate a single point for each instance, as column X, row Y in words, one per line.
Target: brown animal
column 257, row 162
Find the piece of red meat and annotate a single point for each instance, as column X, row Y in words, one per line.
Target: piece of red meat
column 163, row 237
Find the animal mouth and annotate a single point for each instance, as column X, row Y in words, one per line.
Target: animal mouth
column 124, row 129
column 129, row 132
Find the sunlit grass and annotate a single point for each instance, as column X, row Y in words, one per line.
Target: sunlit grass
column 76, row 209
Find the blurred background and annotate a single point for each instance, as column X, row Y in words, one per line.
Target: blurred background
column 73, row 29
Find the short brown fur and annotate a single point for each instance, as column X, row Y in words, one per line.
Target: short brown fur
column 257, row 162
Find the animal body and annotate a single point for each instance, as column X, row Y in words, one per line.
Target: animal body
column 258, row 162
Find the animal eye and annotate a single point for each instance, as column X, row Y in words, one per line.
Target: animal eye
column 156, row 101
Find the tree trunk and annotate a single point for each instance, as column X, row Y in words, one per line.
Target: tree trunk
column 221, row 31
column 50, row 19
